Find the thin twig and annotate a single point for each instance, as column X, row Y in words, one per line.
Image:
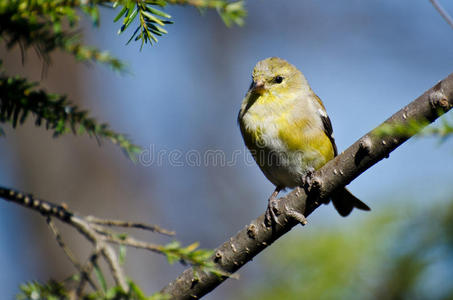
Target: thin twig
column 442, row 12
column 61, row 243
column 103, row 231
column 115, row 268
column 87, row 270
column 120, row 223
column 109, row 254
column 83, row 275
column 128, row 241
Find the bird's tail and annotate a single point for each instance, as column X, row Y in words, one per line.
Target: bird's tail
column 344, row 202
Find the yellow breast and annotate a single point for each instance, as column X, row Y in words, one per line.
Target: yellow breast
column 281, row 127
column 301, row 136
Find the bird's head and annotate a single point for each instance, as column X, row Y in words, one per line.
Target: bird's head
column 276, row 76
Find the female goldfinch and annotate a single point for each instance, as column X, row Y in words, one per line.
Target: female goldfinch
column 286, row 128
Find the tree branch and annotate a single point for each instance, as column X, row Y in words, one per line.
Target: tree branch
column 102, row 238
column 442, row 12
column 92, row 229
column 129, row 224
column 83, row 226
column 84, row 275
column 255, row 237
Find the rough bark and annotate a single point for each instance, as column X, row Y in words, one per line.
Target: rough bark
column 256, row 236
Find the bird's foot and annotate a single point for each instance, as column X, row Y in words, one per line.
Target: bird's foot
column 297, row 216
column 307, row 180
column 272, row 210
column 312, row 186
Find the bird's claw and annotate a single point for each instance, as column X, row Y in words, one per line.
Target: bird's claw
column 272, row 212
column 307, row 180
column 297, row 216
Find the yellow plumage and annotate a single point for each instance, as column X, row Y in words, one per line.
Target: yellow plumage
column 286, row 128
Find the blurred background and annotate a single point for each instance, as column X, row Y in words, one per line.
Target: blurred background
column 365, row 59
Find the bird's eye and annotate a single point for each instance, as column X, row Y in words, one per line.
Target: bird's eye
column 278, row 79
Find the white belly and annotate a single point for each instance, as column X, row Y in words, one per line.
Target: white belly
column 283, row 167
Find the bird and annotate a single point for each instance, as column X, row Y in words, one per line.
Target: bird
column 285, row 126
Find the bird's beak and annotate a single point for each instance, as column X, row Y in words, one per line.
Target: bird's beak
column 258, row 87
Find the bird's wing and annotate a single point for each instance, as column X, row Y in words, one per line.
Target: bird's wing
column 327, row 124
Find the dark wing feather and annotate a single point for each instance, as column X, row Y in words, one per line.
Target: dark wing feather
column 342, row 199
column 329, row 132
